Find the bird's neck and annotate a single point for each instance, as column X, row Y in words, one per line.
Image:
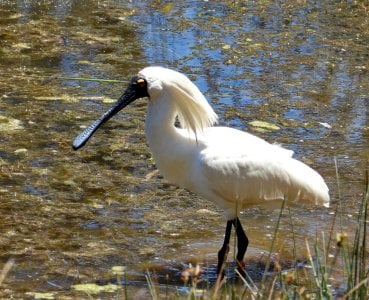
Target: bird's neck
column 169, row 145
column 159, row 124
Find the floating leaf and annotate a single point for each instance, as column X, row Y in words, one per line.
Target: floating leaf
column 264, row 125
column 93, row 288
column 62, row 97
column 21, row 46
column 109, row 100
column 118, row 270
column 21, row 151
column 46, row 296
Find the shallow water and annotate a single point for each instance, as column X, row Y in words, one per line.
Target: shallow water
column 68, row 217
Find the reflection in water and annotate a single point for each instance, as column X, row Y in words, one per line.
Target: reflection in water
column 67, row 217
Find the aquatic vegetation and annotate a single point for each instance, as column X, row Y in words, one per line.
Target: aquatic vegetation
column 67, row 218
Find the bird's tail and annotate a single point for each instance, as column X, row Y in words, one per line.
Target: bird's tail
column 308, row 185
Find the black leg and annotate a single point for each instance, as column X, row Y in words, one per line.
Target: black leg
column 223, row 252
column 242, row 243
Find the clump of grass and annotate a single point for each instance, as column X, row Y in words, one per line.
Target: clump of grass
column 352, row 255
column 355, row 260
column 358, row 279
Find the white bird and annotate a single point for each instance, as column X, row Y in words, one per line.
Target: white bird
column 230, row 167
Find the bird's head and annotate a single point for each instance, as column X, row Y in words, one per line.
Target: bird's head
column 156, row 83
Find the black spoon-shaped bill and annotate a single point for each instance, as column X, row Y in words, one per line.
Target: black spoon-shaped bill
column 136, row 89
column 85, row 135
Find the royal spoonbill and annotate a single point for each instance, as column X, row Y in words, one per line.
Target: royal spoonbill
column 230, row 167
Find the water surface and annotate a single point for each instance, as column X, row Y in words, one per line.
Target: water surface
column 68, row 217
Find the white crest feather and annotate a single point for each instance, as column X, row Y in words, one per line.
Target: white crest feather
column 194, row 111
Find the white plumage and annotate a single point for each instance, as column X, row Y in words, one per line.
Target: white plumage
column 230, row 167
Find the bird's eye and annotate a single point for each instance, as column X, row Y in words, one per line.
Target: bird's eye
column 141, row 82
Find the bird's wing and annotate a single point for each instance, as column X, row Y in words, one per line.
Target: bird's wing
column 239, row 143
column 264, row 173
